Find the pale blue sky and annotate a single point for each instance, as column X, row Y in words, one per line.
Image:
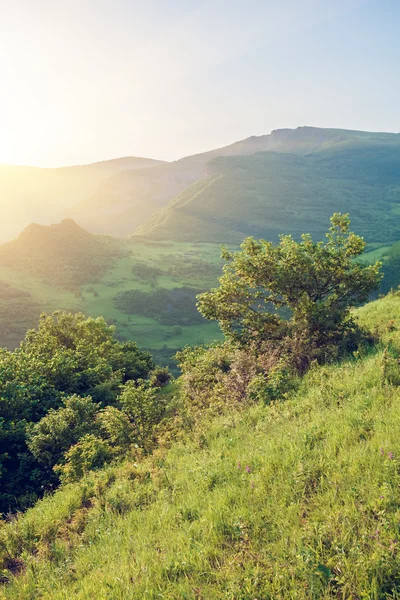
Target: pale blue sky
column 85, row 80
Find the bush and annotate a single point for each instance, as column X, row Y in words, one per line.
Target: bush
column 144, row 408
column 52, row 387
column 89, row 453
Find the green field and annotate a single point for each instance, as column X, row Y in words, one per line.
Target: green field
column 164, row 265
column 147, row 332
column 176, row 264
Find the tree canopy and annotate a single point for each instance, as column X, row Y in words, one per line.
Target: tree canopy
column 313, row 283
column 51, row 389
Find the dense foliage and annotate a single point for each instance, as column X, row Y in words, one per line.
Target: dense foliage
column 52, row 391
column 168, row 307
column 316, row 282
column 297, row 499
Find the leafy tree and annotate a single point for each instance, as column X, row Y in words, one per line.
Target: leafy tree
column 91, row 452
column 67, row 356
column 143, row 408
column 316, row 283
column 116, row 428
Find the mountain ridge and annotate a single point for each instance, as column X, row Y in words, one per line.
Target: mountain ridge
column 128, row 201
column 267, row 193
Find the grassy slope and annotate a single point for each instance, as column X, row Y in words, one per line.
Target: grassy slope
column 267, row 193
column 317, row 516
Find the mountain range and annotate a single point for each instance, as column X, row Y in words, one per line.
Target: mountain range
column 218, row 195
column 172, row 218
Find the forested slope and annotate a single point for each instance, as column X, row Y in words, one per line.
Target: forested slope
column 62, row 254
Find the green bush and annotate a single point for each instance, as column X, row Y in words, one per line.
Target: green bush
column 89, row 453
column 144, row 408
column 52, row 387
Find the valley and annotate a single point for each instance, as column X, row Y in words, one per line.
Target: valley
column 145, row 267
column 171, row 219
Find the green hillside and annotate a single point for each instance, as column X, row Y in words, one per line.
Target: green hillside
column 42, row 284
column 128, row 199
column 267, row 193
column 297, row 499
column 63, row 254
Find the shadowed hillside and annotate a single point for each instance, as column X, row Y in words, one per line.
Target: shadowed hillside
column 127, row 199
column 267, row 193
column 63, row 254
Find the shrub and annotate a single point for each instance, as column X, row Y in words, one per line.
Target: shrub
column 144, row 409
column 89, row 453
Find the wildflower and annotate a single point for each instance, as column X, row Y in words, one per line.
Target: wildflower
column 382, row 451
column 248, row 470
column 239, row 466
column 252, row 485
column 391, row 455
column 381, row 497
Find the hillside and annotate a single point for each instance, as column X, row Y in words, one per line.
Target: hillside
column 127, row 199
column 268, row 193
column 62, row 254
column 296, row 499
column 45, row 195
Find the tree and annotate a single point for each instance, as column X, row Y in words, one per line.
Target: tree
column 89, row 453
column 67, row 355
column 314, row 284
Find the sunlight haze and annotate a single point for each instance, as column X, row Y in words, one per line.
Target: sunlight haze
column 88, row 80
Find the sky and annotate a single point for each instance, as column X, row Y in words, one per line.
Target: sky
column 88, row 80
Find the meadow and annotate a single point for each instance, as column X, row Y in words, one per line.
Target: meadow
column 147, row 267
column 294, row 500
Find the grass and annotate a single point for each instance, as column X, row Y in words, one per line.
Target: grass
column 377, row 253
column 296, row 500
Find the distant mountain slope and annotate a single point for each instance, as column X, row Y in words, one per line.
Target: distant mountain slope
column 63, row 254
column 33, row 194
column 127, row 199
column 268, row 193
